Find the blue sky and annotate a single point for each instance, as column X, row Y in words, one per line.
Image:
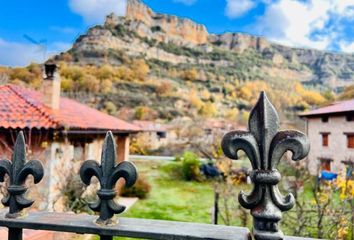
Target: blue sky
column 320, row 24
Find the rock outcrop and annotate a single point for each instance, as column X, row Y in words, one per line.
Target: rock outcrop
column 171, row 28
column 238, row 41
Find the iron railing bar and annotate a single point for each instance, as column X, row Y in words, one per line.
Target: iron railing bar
column 15, row 234
column 127, row 227
column 106, row 237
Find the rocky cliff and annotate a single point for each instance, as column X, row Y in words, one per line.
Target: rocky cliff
column 172, row 27
column 166, row 39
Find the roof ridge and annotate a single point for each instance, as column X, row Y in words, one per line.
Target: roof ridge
column 337, row 102
column 38, row 108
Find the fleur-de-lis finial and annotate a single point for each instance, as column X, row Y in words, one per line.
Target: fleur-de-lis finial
column 265, row 145
column 108, row 174
column 18, row 170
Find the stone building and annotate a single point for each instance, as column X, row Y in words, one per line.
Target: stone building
column 331, row 133
column 60, row 132
column 153, row 134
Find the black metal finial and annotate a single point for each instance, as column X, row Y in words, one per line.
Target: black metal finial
column 265, row 145
column 18, row 170
column 108, row 174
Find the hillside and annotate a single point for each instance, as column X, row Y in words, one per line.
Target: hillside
column 165, row 40
column 151, row 66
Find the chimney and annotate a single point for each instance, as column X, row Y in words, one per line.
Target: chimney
column 51, row 85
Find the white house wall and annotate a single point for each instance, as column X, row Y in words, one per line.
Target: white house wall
column 337, row 142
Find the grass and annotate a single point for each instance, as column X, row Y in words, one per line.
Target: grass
column 173, row 199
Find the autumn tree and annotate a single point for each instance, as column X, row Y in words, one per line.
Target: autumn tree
column 232, row 114
column 140, row 69
column 145, row 113
column 106, row 86
column 164, row 88
column 208, row 110
column 250, row 90
column 195, row 100
column 310, row 97
column 110, row 107
column 348, row 93
column 74, row 73
column 125, row 73
column 67, row 84
column 21, row 74
column 90, row 83
column 35, row 69
column 66, row 57
column 205, row 94
column 189, row 74
column 105, row 72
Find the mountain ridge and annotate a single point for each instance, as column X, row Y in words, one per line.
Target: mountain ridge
column 179, row 41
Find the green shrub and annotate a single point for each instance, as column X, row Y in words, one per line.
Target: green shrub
column 110, row 107
column 141, row 189
column 120, row 31
column 178, row 158
column 173, row 170
column 190, row 167
column 180, row 51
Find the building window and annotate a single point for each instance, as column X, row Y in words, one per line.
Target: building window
column 325, row 139
column 325, row 163
column 326, row 166
column 350, row 141
column 324, row 119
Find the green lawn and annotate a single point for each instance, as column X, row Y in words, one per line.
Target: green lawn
column 172, row 199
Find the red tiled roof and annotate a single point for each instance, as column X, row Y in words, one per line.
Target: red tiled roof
column 23, row 108
column 338, row 107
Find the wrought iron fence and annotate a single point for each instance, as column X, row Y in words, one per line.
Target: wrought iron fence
column 264, row 145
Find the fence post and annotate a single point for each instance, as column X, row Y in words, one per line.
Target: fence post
column 18, row 170
column 108, row 173
column 216, row 208
column 265, row 145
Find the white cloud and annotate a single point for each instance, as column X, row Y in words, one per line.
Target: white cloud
column 312, row 23
column 186, row 2
column 94, row 11
column 22, row 54
column 238, row 8
column 347, row 47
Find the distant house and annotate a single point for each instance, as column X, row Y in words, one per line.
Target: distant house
column 60, row 132
column 154, row 133
column 211, row 126
column 331, row 133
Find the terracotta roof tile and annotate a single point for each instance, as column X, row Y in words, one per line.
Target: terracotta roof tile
column 334, row 108
column 23, row 108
